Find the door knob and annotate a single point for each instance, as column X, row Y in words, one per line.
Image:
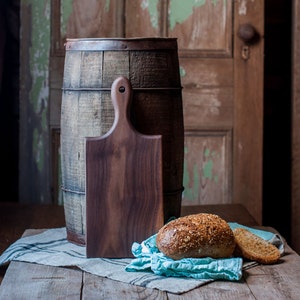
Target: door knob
column 247, row 33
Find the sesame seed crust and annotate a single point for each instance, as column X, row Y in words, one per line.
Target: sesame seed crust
column 196, row 235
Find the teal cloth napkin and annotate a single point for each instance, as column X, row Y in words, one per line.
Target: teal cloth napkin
column 150, row 259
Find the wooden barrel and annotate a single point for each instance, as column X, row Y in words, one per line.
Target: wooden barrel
column 91, row 66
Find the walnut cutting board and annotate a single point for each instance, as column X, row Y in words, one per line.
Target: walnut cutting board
column 124, row 191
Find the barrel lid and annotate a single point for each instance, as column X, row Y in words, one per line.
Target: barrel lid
column 121, row 44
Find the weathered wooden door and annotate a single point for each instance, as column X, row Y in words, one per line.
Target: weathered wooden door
column 221, row 64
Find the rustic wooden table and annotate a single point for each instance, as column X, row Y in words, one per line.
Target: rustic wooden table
column 33, row 281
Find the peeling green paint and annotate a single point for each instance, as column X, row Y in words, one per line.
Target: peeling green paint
column 152, row 7
column 39, row 55
column 190, row 189
column 182, row 71
column 192, row 182
column 206, row 152
column 208, row 165
column 216, row 178
column 180, row 11
column 66, row 8
column 38, row 149
column 39, row 72
column 107, row 5
column 207, row 169
column 215, row 2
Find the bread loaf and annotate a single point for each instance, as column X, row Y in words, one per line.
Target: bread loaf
column 197, row 235
column 253, row 247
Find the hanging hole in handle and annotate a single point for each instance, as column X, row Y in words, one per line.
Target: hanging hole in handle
column 121, row 89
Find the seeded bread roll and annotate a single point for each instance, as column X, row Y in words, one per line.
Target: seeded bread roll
column 197, row 235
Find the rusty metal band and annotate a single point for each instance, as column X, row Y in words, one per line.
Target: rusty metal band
column 134, row 89
column 121, row 44
column 72, row 191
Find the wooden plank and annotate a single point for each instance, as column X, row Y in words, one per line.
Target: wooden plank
column 278, row 281
column 73, row 20
column 218, row 290
column 146, row 19
column 207, row 93
column 95, row 287
column 33, row 281
column 208, row 108
column 203, row 28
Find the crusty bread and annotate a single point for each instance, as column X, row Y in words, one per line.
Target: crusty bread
column 253, row 247
column 197, row 235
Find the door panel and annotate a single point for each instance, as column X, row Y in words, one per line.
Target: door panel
column 203, row 28
column 207, row 92
column 207, row 167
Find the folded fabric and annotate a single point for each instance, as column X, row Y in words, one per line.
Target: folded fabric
column 149, row 258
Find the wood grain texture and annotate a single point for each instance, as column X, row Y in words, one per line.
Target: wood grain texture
column 200, row 35
column 124, row 190
column 248, row 111
column 95, row 287
column 40, row 282
column 207, row 171
column 207, row 97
